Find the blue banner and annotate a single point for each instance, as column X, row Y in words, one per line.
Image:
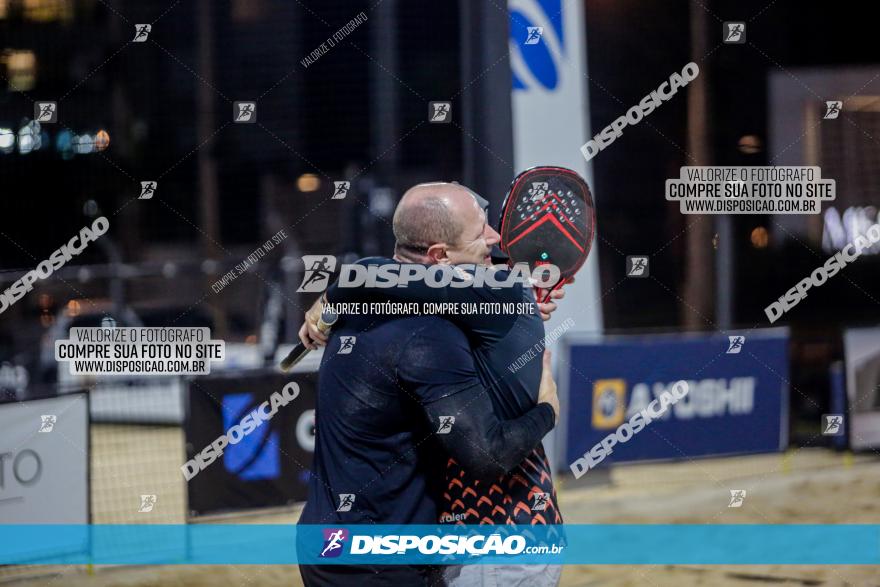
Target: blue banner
column 736, row 400
column 644, row 544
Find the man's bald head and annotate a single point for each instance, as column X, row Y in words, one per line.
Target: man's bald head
column 442, row 223
column 431, row 213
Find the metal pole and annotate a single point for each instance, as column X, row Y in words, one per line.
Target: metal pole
column 724, row 273
column 484, row 107
column 209, row 207
column 698, row 274
column 384, row 86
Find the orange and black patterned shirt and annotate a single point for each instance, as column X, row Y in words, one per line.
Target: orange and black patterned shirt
column 524, row 496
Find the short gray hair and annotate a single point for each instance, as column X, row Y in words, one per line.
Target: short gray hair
column 424, row 220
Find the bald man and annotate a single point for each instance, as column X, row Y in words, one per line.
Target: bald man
column 441, row 223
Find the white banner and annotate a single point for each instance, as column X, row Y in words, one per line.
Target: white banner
column 44, row 457
column 550, row 125
column 862, row 354
column 551, row 121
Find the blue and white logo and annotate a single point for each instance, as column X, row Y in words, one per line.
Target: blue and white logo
column 536, row 43
column 256, row 456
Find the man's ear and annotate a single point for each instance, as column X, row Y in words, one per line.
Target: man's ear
column 437, row 254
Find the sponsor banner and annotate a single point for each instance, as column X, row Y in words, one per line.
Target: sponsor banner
column 44, row 461
column 550, row 107
column 737, row 398
column 44, row 470
column 612, row 544
column 862, row 350
column 268, row 466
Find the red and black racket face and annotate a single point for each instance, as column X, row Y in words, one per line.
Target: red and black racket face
column 548, row 217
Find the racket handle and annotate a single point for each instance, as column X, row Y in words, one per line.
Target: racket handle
column 325, row 322
column 542, row 295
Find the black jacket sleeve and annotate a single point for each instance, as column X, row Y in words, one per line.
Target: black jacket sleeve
column 437, row 368
column 483, row 445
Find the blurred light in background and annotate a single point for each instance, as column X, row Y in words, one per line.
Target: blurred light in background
column 209, row 266
column 38, row 10
column 21, row 69
column 759, row 237
column 169, row 270
column 83, row 144
column 102, row 140
column 64, row 144
column 749, row 144
column 45, row 301
column 7, row 139
column 25, row 140
column 308, row 182
column 838, row 231
column 73, row 308
column 249, row 10
column 90, row 208
column 48, row 10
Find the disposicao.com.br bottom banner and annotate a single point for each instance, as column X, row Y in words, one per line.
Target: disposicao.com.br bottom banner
column 632, row 544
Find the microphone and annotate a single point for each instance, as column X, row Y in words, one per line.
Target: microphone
column 325, row 322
